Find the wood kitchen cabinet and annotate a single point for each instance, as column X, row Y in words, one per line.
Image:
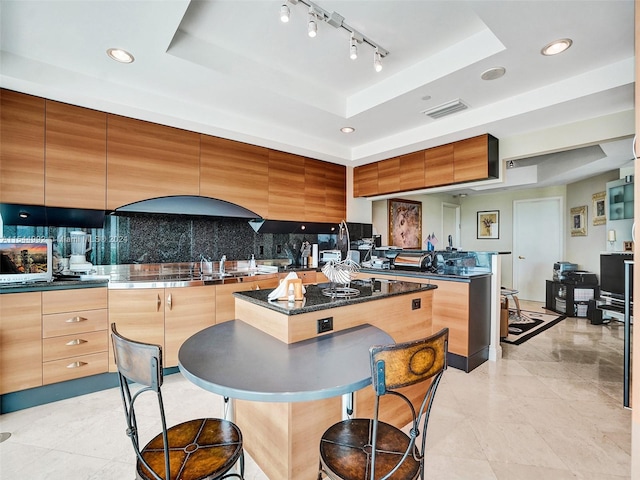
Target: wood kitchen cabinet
column 468, row 160
column 75, row 334
column 389, row 176
column 473, row 159
column 335, row 192
column 186, row 311
column 22, row 120
column 20, row 341
column 162, row 316
column 438, row 166
column 365, row 180
column 236, row 172
column 286, row 186
column 75, row 157
column 315, row 191
column 146, row 160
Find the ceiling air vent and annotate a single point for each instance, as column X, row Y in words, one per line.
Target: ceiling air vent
column 446, row 109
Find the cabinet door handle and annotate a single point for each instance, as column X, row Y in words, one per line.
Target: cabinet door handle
column 77, row 341
column 169, row 301
column 158, row 304
column 520, row 257
column 77, row 364
column 76, row 319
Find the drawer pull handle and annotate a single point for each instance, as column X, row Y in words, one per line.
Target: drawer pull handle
column 77, row 364
column 76, row 319
column 77, row 341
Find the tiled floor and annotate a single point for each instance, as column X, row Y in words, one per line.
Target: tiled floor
column 551, row 409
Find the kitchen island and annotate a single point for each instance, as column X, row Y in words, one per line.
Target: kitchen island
column 283, row 437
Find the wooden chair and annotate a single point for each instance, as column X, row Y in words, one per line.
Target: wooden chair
column 363, row 448
column 203, row 449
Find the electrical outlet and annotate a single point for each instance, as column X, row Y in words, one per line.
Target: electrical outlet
column 261, row 250
column 325, row 324
column 279, row 249
column 415, row 304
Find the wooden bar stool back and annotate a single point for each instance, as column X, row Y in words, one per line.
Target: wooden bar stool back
column 200, row 449
column 362, row 448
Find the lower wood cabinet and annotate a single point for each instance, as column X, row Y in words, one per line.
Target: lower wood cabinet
column 74, row 334
column 20, row 341
column 162, row 316
column 225, row 301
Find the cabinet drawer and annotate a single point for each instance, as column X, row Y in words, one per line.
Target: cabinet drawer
column 71, row 323
column 58, row 301
column 73, row 345
column 74, row 367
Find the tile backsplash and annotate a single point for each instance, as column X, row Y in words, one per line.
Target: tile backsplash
column 155, row 238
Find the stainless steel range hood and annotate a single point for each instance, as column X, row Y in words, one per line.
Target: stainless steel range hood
column 285, row 226
column 188, row 205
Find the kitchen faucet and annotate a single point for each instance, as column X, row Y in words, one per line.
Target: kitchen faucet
column 222, row 260
column 204, row 260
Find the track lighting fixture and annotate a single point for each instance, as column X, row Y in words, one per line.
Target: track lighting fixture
column 353, row 48
column 284, row 13
column 377, row 62
column 317, row 13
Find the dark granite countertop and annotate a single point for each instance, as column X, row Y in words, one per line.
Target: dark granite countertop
column 314, row 299
column 56, row 284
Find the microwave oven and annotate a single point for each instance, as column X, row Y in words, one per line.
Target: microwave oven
column 27, row 259
column 328, row 255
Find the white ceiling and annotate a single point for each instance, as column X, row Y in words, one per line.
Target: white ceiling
column 231, row 68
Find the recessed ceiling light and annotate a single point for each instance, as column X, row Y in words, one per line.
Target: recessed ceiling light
column 120, row 55
column 557, row 46
column 493, row 73
column 347, row 129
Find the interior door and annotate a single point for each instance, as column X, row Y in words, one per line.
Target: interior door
column 537, row 244
column 450, row 225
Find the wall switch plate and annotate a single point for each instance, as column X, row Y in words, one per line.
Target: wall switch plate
column 415, row 304
column 325, row 324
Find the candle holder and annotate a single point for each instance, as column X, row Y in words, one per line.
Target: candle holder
column 611, row 237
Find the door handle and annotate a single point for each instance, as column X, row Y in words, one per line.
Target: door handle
column 520, row 257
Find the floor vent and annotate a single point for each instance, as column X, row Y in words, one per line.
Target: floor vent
column 446, row 109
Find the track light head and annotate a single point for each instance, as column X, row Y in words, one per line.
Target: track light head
column 284, row 13
column 312, row 27
column 377, row 61
column 353, row 49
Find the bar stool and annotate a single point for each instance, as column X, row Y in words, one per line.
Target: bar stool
column 509, row 292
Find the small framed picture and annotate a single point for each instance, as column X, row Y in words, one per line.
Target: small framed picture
column 579, row 221
column 599, row 212
column 489, row 224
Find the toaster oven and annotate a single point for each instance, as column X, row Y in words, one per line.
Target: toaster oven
column 328, row 255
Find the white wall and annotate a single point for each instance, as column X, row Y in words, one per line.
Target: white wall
column 585, row 250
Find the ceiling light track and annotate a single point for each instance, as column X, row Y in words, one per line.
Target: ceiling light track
column 317, row 13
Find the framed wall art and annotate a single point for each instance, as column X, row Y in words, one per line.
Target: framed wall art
column 405, row 223
column 489, row 224
column 599, row 212
column 579, row 221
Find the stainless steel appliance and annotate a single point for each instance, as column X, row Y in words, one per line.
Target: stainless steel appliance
column 407, row 260
column 328, row 255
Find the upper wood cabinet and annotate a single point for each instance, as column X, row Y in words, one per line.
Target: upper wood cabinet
column 146, row 160
column 315, row 191
column 76, row 156
column 365, row 180
column 335, row 192
column 286, row 186
column 22, row 119
column 235, row 172
column 438, row 166
column 464, row 161
column 472, row 159
column 412, row 171
column 389, row 175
